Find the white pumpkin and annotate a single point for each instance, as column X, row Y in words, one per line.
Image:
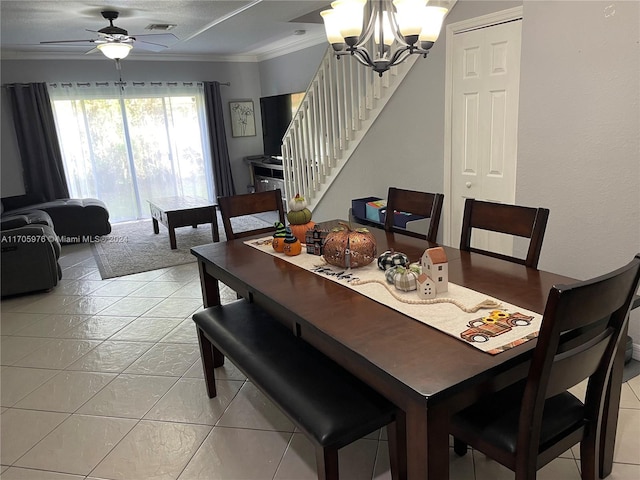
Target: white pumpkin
column 297, row 203
column 405, row 279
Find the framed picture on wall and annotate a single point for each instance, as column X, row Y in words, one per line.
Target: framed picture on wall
column 243, row 123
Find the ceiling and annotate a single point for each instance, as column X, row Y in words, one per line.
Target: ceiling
column 205, row 29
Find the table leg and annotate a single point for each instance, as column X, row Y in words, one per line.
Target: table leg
column 427, row 443
column 214, row 226
column 172, row 236
column 156, row 227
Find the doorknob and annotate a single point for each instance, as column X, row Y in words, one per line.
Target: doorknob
column 468, row 184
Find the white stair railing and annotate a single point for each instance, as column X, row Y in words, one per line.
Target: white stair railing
column 337, row 110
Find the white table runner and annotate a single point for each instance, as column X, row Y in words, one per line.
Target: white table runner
column 491, row 330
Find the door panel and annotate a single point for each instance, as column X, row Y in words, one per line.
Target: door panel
column 484, row 122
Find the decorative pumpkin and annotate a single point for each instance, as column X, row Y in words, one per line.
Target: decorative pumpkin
column 390, row 258
column 292, row 245
column 278, row 237
column 299, row 217
column 406, row 279
column 348, row 248
column 300, row 231
column 297, row 203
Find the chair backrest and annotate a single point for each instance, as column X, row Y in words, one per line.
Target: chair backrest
column 248, row 204
column 418, row 203
column 580, row 335
column 515, row 220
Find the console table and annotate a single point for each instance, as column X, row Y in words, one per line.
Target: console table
column 266, row 176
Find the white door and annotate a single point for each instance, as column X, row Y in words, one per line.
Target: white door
column 485, row 77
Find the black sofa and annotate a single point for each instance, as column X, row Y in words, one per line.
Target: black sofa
column 72, row 217
column 31, row 237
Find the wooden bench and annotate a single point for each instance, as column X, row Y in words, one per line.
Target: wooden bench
column 321, row 398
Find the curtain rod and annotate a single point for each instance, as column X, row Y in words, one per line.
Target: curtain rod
column 105, row 84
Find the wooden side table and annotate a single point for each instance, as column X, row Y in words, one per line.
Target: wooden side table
column 175, row 212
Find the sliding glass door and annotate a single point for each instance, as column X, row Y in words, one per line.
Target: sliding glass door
column 128, row 147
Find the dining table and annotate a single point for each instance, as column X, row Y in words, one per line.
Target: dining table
column 429, row 375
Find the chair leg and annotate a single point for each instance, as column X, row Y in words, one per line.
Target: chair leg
column 589, row 458
column 459, row 447
column 327, row 463
column 397, row 436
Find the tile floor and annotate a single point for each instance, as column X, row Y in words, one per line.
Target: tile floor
column 101, row 379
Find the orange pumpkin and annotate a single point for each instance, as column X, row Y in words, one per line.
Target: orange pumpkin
column 293, row 249
column 300, row 231
column 278, row 244
column 349, row 248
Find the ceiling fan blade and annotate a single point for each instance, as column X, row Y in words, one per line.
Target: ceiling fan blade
column 157, row 37
column 93, row 50
column 149, row 46
column 68, row 41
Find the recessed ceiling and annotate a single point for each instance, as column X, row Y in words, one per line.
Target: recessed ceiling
column 206, row 29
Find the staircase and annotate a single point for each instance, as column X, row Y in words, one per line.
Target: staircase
column 340, row 105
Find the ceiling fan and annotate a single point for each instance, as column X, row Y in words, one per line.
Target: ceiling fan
column 116, row 43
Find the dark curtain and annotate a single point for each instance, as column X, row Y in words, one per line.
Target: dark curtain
column 222, row 177
column 38, row 142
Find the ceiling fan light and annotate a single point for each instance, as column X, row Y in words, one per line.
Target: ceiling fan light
column 115, row 50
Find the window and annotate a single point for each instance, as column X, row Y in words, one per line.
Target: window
column 127, row 146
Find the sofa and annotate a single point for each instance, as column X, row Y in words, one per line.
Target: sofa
column 72, row 217
column 30, row 253
column 31, row 237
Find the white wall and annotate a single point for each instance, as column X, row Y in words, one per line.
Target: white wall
column 579, row 133
column 290, row 73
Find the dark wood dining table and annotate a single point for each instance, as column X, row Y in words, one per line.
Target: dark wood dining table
column 428, row 374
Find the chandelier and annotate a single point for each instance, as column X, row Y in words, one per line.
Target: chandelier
column 399, row 29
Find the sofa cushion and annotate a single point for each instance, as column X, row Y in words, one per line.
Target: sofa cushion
column 74, row 217
column 34, row 217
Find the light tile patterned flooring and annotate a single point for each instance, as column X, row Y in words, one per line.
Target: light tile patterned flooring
column 102, row 380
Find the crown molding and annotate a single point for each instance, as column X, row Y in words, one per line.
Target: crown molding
column 272, row 50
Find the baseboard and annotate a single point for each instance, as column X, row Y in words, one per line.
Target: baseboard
column 636, row 351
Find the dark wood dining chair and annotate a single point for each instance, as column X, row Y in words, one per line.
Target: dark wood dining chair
column 428, row 205
column 526, row 222
column 249, row 204
column 529, row 424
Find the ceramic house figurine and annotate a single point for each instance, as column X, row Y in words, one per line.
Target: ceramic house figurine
column 426, row 287
column 434, row 264
column 314, row 240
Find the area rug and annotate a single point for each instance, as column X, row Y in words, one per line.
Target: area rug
column 132, row 247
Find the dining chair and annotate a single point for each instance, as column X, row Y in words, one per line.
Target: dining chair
column 526, row 222
column 249, row 204
column 527, row 425
column 428, row 205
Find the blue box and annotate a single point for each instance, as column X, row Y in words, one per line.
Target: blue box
column 375, row 210
column 359, row 206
